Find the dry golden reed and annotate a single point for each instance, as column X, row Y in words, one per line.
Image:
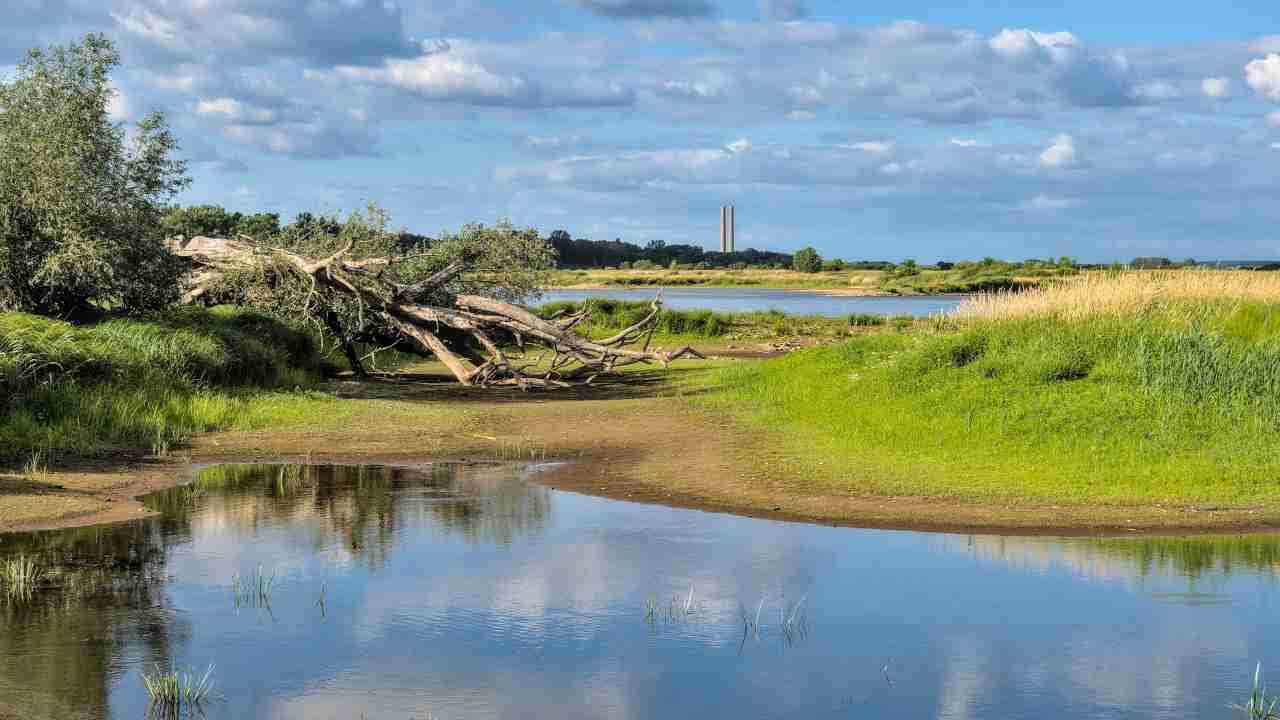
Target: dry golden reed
column 1133, row 292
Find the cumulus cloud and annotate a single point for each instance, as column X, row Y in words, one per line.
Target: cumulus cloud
column 1060, row 153
column 444, row 73
column 1023, row 44
column 785, row 10
column 647, row 8
column 1263, row 75
column 1216, row 87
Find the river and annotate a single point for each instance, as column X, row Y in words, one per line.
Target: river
column 795, row 302
column 471, row 592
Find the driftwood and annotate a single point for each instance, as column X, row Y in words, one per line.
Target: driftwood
column 421, row 328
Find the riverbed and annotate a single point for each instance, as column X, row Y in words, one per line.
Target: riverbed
column 453, row 591
column 794, row 302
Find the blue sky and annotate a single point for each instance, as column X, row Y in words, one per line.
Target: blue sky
column 868, row 130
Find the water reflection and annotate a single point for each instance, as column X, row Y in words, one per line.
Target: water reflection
column 464, row 591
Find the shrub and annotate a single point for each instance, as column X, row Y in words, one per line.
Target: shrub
column 81, row 201
column 807, row 260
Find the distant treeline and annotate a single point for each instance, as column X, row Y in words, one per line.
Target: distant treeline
column 580, row 253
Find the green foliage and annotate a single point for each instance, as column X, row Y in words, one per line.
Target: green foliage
column 503, row 262
column 216, row 221
column 1120, row 409
column 866, row 320
column 806, row 260
column 81, row 199
column 129, row 384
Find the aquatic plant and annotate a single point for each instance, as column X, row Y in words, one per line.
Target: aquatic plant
column 680, row 608
column 20, row 575
column 173, row 692
column 253, row 589
column 793, row 622
column 1260, row 706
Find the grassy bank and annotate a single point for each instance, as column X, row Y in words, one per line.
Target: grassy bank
column 1132, row 388
column 960, row 278
column 133, row 386
column 705, row 326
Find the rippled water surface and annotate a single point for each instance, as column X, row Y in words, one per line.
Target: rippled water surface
column 467, row 592
column 795, row 302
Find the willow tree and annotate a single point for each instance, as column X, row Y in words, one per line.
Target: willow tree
column 80, row 198
column 452, row 298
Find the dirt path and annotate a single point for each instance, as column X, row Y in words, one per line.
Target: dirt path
column 635, row 440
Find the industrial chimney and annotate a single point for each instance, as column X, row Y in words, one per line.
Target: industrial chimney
column 728, row 230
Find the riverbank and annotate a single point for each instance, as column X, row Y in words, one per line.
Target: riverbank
column 958, row 279
column 1134, row 405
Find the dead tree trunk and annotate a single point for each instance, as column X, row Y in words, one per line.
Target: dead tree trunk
column 491, row 324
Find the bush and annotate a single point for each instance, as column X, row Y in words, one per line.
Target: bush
column 80, row 201
column 866, row 320
column 807, row 260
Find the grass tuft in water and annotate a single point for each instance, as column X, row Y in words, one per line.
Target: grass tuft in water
column 1260, row 706
column 20, row 576
column 173, row 692
column 253, row 589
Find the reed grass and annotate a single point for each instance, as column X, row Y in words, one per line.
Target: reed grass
column 1260, row 705
column 20, row 576
column 173, row 692
column 1184, row 294
column 253, row 589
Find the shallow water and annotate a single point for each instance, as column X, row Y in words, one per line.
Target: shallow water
column 465, row 591
column 795, row 302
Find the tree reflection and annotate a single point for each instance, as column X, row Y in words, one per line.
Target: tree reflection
column 105, row 609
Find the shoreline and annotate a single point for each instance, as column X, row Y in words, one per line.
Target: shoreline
column 624, row 474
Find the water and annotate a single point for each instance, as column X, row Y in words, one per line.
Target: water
column 466, row 592
column 795, row 302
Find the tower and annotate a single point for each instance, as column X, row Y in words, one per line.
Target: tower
column 728, row 230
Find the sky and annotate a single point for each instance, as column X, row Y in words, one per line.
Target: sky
column 869, row 130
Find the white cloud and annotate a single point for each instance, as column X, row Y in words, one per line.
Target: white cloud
column 879, row 147
column 1263, row 75
column 1046, row 201
column 1060, row 153
column 234, row 110
column 118, row 106
column 1018, row 44
column 738, row 146
column 1273, row 119
column 801, row 115
column 1216, row 87
column 965, row 142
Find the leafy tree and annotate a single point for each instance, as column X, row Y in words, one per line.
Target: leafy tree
column 807, row 260
column 833, row 265
column 259, row 225
column 207, row 220
column 81, row 200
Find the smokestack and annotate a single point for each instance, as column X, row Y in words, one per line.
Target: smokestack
column 724, row 228
column 733, row 231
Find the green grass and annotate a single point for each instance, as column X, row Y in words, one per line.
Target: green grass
column 142, row 386
column 1176, row 406
column 609, row 316
column 174, row 693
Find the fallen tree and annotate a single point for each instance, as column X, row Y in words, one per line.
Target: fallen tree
column 468, row 338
